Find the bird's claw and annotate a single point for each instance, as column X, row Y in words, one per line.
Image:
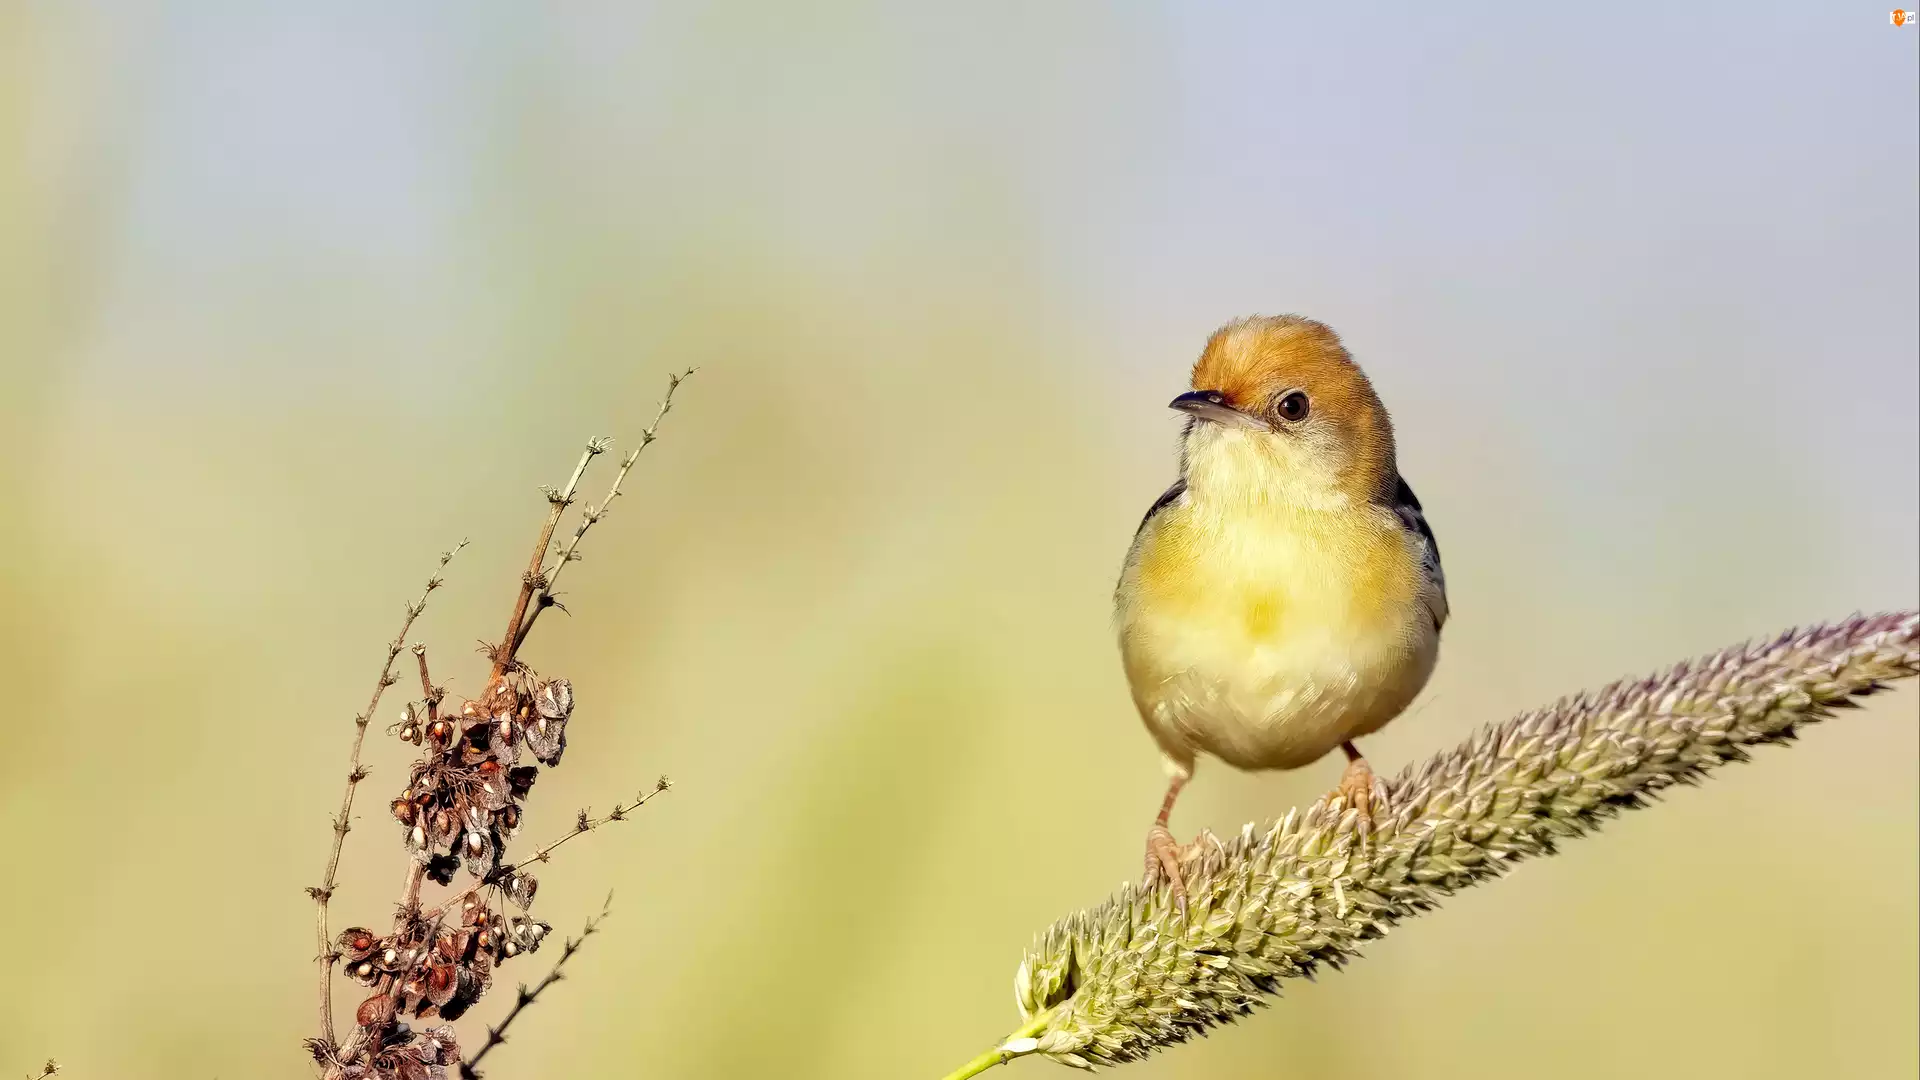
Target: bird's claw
column 1163, row 864
column 1356, row 792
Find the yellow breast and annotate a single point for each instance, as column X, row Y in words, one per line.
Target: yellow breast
column 1267, row 576
column 1266, row 635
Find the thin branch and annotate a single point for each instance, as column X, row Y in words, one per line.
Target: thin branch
column 323, row 892
column 582, row 824
column 410, row 891
column 469, row 1069
column 593, row 513
column 557, row 502
column 430, row 693
column 47, row 1070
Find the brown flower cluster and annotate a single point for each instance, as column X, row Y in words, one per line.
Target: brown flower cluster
column 461, row 807
column 423, row 1056
column 462, row 801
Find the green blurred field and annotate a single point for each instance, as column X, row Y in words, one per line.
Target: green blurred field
column 289, row 304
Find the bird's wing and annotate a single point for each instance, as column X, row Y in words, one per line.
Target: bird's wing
column 1165, row 500
column 1406, row 506
column 1160, row 505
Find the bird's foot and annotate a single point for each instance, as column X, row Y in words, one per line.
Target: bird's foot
column 1356, row 792
column 1163, row 864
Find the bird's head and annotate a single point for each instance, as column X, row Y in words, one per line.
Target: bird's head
column 1279, row 410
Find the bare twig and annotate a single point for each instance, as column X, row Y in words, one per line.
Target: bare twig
column 323, row 892
column 592, row 514
column 496, row 1035
column 430, row 693
column 53, row 1066
column 584, row 823
column 531, row 580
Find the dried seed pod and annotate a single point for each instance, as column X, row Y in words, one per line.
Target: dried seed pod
column 442, row 826
column 443, row 977
column 476, row 818
column 503, row 738
column 375, row 1012
column 508, row 821
column 520, row 780
column 406, row 811
column 400, row 1063
column 469, row 984
column 547, row 738
column 474, row 912
column 477, row 850
column 440, row 735
column 482, row 967
column 357, row 943
column 413, row 993
column 490, row 795
column 389, row 956
column 502, row 697
column 522, row 935
column 456, row 1006
column 492, row 779
column 440, row 869
column 554, row 699
column 520, row 888
column 423, row 791
column 439, row 1045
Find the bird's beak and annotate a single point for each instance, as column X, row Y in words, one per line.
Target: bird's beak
column 1212, row 405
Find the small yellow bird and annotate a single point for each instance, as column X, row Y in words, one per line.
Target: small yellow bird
column 1284, row 597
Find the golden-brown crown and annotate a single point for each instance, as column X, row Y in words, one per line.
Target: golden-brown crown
column 1255, row 362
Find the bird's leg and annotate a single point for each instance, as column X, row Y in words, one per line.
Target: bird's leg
column 1356, row 787
column 1163, row 853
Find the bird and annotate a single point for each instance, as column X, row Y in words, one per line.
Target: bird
column 1284, row 597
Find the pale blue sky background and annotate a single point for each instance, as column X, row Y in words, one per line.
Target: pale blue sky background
column 1630, row 226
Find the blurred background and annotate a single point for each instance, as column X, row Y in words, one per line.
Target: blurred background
column 290, row 301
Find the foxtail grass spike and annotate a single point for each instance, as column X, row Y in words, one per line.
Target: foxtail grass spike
column 1134, row 975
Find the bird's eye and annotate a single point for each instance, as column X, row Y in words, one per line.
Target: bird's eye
column 1293, row 407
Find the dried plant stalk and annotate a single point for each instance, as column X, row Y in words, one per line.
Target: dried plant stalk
column 342, row 822
column 459, row 810
column 1134, row 975
column 526, row 996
